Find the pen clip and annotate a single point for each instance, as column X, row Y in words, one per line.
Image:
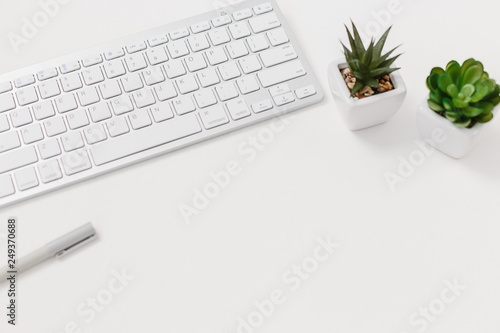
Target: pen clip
column 71, row 241
column 75, row 246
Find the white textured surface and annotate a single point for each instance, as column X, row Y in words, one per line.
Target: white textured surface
column 316, row 178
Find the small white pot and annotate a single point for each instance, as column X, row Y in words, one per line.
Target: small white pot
column 445, row 136
column 366, row 112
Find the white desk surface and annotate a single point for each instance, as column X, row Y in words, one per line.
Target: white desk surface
column 313, row 180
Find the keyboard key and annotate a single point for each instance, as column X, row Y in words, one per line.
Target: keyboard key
column 219, row 36
column 226, row 91
column 5, row 86
column 144, row 139
column 279, row 90
column 4, row 123
column 113, row 54
column 196, row 62
column 262, row 106
column 88, row 96
column 187, row 84
column 6, row 186
column 71, row 82
column 72, row 141
column 132, row 82
column 179, row 33
column 198, row 43
column 208, row 77
column 32, row 133
column 165, row 91
column 49, row 171
column 264, row 22
column 114, row 69
column 174, row 69
column 278, row 37
column 26, row 96
column 242, row 14
column 49, row 148
column 162, row 112
column 221, row 20
column 92, row 60
column 69, row 67
column 281, row 73
column 136, row 47
column 237, row 49
column 77, row 119
column 278, row 55
column 43, row 110
column 49, row 88
column 47, row 74
column 8, row 141
column 21, row 117
column 24, row 81
column 94, row 134
column 158, row 40
column 7, row 102
column 139, row 119
column 92, row 75
column 263, row 8
column 117, row 126
column 229, row 71
column 183, row 105
column 143, row 98
column 157, row 55
column 26, row 179
column 153, row 76
column 200, row 27
column 54, row 126
column 17, row 158
column 122, row 105
column 248, row 84
column 250, row 64
column 110, row 89
column 99, row 112
column 205, row 98
column 135, row 62
column 284, row 99
column 214, row 116
column 66, row 103
column 177, row 49
column 76, row 162
column 238, row 109
column 239, row 30
column 305, row 92
column 216, row 56
column 257, row 43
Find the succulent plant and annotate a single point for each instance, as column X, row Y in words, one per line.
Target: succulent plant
column 369, row 64
column 463, row 94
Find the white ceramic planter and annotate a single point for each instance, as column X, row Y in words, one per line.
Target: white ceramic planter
column 366, row 112
column 445, row 136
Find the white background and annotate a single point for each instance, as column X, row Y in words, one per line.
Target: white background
column 315, row 179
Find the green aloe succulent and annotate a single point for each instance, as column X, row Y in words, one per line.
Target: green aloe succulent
column 463, row 94
column 369, row 64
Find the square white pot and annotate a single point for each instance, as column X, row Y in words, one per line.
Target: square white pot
column 366, row 112
column 445, row 136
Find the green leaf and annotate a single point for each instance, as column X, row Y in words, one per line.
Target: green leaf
column 372, row 83
column 357, row 87
column 351, row 41
column 389, row 62
column 432, row 83
column 452, row 90
column 368, row 56
column 487, row 107
column 435, row 97
column 437, row 70
column 473, row 74
column 454, row 69
column 377, row 51
column 484, row 118
column 452, row 116
column 466, row 65
column 448, row 105
column 451, row 63
column 357, row 41
column 382, row 71
column 380, row 60
column 467, row 90
column 465, row 122
column 459, row 103
column 444, row 81
column 472, row 112
column 434, row 106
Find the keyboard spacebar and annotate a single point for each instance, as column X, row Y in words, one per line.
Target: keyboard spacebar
column 145, row 138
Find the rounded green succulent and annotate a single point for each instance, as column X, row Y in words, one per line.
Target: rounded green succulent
column 465, row 94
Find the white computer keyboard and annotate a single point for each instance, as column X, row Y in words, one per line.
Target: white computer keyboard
column 101, row 109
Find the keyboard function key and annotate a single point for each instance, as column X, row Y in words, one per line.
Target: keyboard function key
column 264, row 22
column 179, row 33
column 92, row 60
column 24, row 81
column 284, row 99
column 242, row 14
column 7, row 102
column 76, row 162
column 17, row 159
column 47, row 74
column 238, row 109
column 305, row 92
column 214, row 116
column 221, row 20
column 69, row 67
column 200, row 27
column 6, row 186
column 5, row 86
column 4, row 123
column 113, row 54
column 263, row 8
column 8, row 141
column 262, row 106
column 280, row 89
column 26, row 179
column 49, row 171
column 136, row 47
column 155, row 41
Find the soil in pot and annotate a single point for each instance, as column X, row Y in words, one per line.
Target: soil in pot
column 385, row 84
